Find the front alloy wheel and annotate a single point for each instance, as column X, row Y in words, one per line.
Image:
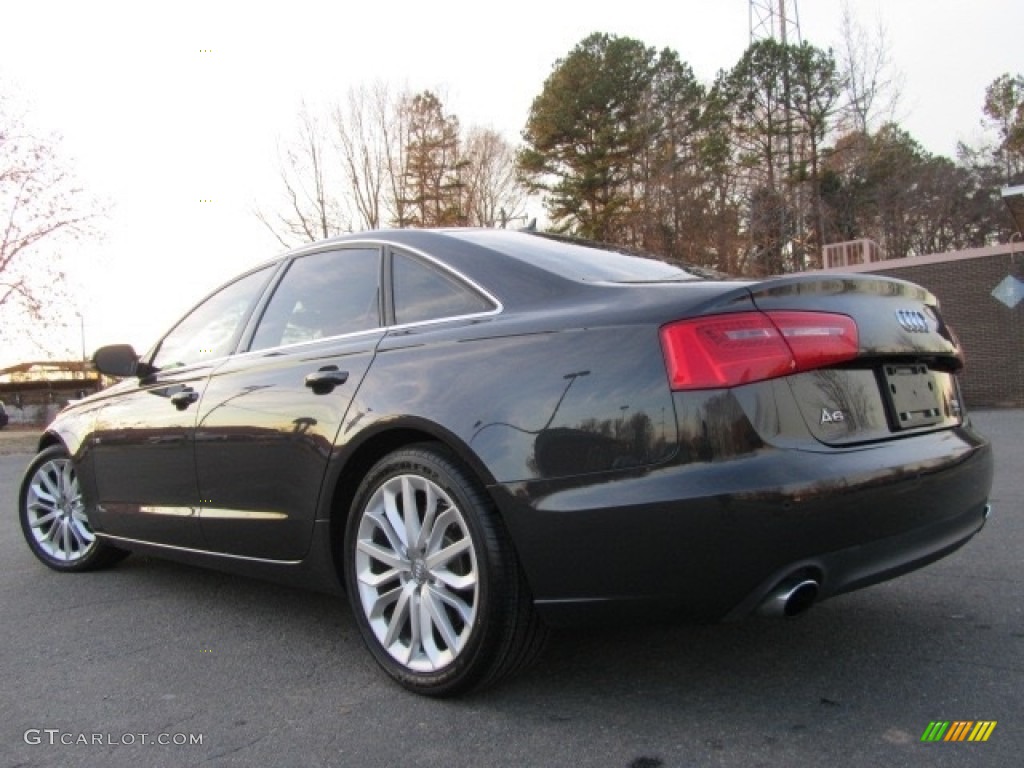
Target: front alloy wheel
column 54, row 519
column 433, row 579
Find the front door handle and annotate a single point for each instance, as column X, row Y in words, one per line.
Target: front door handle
column 326, row 379
column 184, row 398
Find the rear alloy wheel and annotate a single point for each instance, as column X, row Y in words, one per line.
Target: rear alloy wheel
column 432, row 577
column 54, row 519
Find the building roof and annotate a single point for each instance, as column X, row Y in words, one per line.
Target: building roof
column 48, row 370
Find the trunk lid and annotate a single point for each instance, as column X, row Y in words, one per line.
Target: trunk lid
column 903, row 378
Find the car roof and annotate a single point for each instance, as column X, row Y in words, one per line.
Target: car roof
column 519, row 267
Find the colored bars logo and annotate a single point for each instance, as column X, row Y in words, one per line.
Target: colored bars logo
column 958, row 730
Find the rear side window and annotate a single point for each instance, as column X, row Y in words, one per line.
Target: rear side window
column 424, row 292
column 322, row 295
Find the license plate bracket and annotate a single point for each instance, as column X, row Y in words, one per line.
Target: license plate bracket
column 913, row 395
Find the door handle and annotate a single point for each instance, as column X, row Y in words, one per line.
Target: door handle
column 185, row 398
column 326, row 379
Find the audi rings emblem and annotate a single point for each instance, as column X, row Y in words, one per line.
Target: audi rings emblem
column 913, row 321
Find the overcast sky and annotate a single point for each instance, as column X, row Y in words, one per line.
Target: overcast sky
column 154, row 125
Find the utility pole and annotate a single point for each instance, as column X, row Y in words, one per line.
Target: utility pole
column 81, row 326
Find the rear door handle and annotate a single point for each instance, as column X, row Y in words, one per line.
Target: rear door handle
column 326, row 379
column 184, row 398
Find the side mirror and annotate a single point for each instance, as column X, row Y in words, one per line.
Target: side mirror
column 117, row 360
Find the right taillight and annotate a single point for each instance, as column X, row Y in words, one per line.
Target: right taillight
column 728, row 350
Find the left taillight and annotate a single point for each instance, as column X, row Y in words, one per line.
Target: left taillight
column 728, row 350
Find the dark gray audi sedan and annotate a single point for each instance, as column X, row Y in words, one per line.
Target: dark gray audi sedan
column 477, row 434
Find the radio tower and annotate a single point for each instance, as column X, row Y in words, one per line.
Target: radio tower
column 779, row 21
column 775, row 20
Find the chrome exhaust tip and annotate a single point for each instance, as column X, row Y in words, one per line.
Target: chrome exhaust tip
column 790, row 598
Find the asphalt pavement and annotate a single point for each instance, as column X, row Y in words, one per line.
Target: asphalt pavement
column 155, row 664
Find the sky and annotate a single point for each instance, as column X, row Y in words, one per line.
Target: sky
column 161, row 106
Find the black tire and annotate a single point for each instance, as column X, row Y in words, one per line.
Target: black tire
column 450, row 569
column 54, row 518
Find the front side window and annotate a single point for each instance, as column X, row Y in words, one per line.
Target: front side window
column 423, row 292
column 212, row 329
column 322, row 295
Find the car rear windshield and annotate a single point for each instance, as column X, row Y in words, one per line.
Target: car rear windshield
column 590, row 263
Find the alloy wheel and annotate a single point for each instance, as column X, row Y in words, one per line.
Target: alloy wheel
column 55, row 512
column 416, row 570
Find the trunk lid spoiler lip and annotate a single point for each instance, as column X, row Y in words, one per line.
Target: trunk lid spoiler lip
column 840, row 283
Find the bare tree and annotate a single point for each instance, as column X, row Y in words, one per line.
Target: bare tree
column 381, row 159
column 361, row 130
column 872, row 82
column 492, row 193
column 396, row 143
column 314, row 209
column 42, row 212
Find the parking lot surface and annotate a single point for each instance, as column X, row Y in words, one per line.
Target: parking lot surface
column 156, row 664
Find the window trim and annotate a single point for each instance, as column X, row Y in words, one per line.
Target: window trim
column 387, row 310
column 387, row 314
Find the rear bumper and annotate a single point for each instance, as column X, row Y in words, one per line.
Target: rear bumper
column 706, row 540
column 863, row 565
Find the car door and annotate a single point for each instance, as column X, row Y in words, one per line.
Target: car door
column 143, row 439
column 269, row 416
